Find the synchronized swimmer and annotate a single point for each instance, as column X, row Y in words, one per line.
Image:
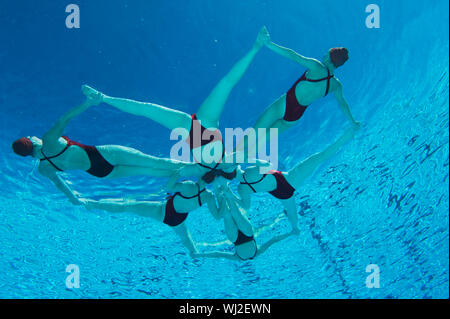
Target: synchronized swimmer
column 57, row 153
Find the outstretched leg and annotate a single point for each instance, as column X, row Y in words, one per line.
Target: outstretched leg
column 120, row 171
column 273, row 113
column 245, row 194
column 146, row 209
column 231, row 229
column 297, row 175
column 183, row 233
column 237, row 212
column 280, row 125
column 165, row 116
column 272, row 117
column 290, row 208
column 262, row 142
column 119, row 155
column 211, row 109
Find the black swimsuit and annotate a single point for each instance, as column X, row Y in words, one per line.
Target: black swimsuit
column 213, row 136
column 174, row 218
column 284, row 190
column 294, row 110
column 242, row 239
column 100, row 167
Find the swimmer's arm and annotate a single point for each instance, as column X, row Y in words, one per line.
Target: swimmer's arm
column 63, row 187
column 308, row 63
column 344, row 105
column 272, row 241
column 52, row 135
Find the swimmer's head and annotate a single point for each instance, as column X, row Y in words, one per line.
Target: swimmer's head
column 246, row 250
column 26, row 146
column 338, row 56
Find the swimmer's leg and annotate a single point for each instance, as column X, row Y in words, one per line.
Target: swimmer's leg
column 273, row 113
column 165, row 116
column 153, row 210
column 290, row 207
column 297, row 175
column 280, row 125
column 120, row 171
column 242, row 222
column 211, row 109
column 118, row 155
column 231, row 229
column 183, row 233
column 245, row 194
column 267, row 119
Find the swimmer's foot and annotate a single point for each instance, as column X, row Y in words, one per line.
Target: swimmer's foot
column 94, row 96
column 356, row 125
column 350, row 132
column 76, row 201
column 87, row 203
column 262, row 38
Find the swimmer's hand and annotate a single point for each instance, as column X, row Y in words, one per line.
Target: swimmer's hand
column 295, row 231
column 93, row 96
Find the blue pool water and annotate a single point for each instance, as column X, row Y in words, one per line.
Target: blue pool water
column 382, row 200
